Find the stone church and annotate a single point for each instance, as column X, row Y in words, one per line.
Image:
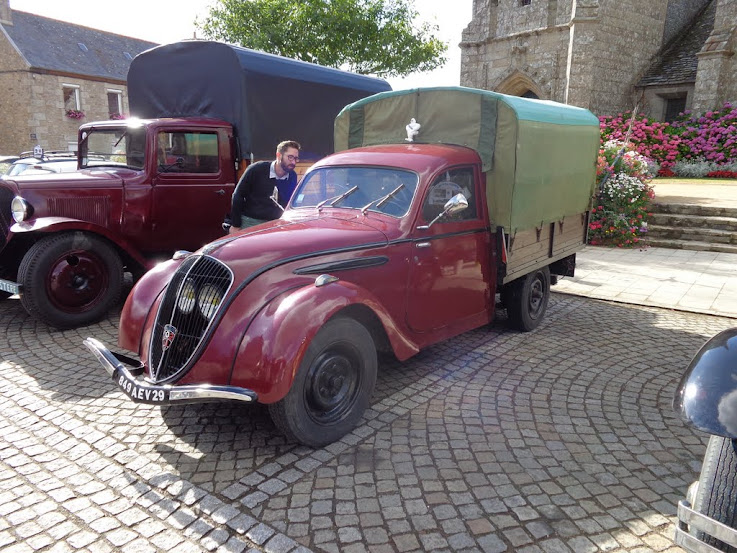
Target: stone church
column 609, row 56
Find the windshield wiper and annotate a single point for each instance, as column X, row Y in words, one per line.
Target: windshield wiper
column 335, row 199
column 381, row 201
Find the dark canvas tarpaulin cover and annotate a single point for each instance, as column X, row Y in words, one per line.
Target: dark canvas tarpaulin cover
column 266, row 98
column 539, row 157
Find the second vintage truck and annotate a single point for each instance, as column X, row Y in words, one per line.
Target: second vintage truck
column 149, row 185
column 437, row 200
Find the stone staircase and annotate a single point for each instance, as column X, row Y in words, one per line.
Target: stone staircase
column 693, row 227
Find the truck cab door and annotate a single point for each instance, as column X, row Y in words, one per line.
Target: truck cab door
column 191, row 184
column 450, row 273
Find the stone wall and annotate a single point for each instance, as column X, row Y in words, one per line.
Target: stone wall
column 629, row 35
column 14, row 108
column 48, row 120
column 716, row 79
column 587, row 53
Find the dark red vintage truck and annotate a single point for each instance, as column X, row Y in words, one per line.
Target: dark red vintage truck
column 163, row 181
column 437, row 200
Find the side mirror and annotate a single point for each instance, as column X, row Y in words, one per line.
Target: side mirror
column 456, row 204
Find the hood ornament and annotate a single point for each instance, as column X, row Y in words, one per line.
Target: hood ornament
column 413, row 128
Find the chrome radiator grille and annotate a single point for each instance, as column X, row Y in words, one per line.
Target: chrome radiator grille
column 191, row 302
column 6, row 219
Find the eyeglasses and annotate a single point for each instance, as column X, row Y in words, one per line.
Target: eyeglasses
column 293, row 159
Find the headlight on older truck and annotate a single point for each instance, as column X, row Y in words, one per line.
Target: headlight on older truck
column 20, row 209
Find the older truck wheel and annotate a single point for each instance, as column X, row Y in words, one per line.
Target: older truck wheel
column 70, row 279
column 332, row 387
column 717, row 493
column 526, row 299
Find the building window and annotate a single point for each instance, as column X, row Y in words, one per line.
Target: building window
column 115, row 103
column 71, row 97
column 674, row 107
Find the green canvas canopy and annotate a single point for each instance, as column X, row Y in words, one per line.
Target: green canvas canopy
column 539, row 156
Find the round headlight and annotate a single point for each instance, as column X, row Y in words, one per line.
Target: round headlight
column 20, row 209
column 187, row 298
column 209, row 299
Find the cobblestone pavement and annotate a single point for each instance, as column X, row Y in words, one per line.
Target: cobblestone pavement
column 558, row 440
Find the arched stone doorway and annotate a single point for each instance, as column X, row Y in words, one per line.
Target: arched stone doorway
column 519, row 84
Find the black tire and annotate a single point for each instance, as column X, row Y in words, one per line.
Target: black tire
column 717, row 493
column 332, row 387
column 527, row 298
column 70, row 279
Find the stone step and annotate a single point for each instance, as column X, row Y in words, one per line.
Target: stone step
column 693, row 221
column 691, row 209
column 716, row 236
column 690, row 245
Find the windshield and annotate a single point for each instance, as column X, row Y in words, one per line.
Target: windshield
column 383, row 190
column 117, row 147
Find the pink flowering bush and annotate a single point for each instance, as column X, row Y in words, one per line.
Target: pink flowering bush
column 711, row 136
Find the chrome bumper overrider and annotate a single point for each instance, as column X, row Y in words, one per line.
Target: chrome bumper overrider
column 688, row 519
column 141, row 391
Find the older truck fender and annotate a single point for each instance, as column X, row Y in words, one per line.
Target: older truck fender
column 48, row 225
column 275, row 342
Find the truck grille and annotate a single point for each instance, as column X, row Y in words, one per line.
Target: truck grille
column 191, row 302
column 6, row 196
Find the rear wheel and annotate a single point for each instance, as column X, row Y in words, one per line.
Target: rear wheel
column 527, row 298
column 70, row 279
column 717, row 493
column 332, row 387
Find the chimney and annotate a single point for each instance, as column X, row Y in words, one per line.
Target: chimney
column 6, row 15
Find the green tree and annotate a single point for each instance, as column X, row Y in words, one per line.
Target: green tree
column 375, row 37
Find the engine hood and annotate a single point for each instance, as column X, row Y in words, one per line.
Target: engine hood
column 283, row 240
column 82, row 179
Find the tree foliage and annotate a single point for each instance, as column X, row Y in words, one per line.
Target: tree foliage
column 375, row 37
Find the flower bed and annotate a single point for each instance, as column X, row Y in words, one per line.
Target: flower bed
column 709, row 138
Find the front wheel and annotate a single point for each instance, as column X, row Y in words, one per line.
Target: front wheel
column 70, row 279
column 332, row 387
column 717, row 492
column 526, row 299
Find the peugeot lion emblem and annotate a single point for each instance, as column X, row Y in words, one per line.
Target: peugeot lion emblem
column 170, row 332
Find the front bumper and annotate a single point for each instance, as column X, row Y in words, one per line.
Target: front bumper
column 690, row 522
column 141, row 391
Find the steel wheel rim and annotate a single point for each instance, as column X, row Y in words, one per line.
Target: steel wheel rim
column 77, row 281
column 332, row 384
column 537, row 295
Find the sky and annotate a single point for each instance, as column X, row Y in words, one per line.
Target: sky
column 165, row 21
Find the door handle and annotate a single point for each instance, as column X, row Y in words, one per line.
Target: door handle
column 220, row 192
column 423, row 244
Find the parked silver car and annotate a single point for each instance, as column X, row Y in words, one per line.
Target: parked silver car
column 48, row 162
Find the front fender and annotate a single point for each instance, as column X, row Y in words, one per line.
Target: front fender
column 140, row 303
column 706, row 397
column 276, row 340
column 48, row 225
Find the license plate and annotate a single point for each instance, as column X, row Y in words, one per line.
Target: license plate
column 9, row 286
column 141, row 393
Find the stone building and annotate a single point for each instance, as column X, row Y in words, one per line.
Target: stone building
column 606, row 55
column 55, row 76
